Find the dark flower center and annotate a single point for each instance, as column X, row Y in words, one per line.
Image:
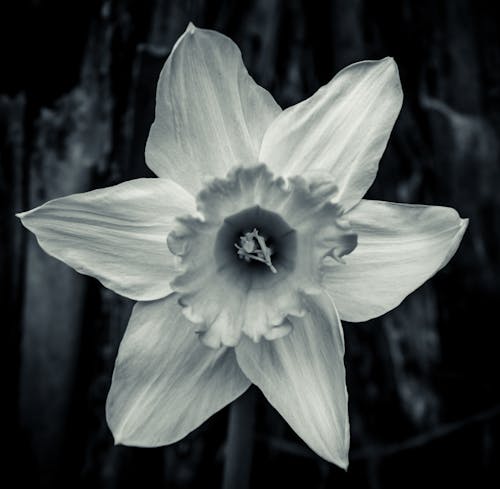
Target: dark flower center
column 256, row 241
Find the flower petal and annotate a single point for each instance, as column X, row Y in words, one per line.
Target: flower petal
column 303, row 377
column 116, row 234
column 166, row 382
column 210, row 114
column 400, row 246
column 342, row 129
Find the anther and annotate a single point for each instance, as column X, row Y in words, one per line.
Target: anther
column 253, row 247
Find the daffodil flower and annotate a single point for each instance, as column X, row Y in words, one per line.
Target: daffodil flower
column 250, row 246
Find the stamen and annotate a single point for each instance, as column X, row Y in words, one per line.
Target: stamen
column 253, row 247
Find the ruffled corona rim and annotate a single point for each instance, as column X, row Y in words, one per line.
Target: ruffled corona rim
column 227, row 296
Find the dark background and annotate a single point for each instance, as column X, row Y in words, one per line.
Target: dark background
column 77, row 88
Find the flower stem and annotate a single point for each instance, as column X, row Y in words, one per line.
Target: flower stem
column 239, row 443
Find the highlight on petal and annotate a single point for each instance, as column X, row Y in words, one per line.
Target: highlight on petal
column 210, row 114
column 303, row 376
column 166, row 383
column 400, row 246
column 341, row 130
column 116, row 234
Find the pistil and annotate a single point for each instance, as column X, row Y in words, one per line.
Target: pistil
column 253, row 247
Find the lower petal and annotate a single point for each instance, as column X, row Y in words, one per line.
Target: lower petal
column 303, row 377
column 400, row 246
column 166, row 382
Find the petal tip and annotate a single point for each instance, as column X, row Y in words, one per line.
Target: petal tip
column 392, row 71
column 191, row 28
column 116, row 441
column 390, row 62
column 22, row 216
column 27, row 222
column 338, row 457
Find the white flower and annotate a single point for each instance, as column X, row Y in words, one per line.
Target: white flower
column 263, row 261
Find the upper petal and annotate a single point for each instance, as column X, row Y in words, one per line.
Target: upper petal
column 303, row 377
column 342, row 129
column 116, row 234
column 210, row 114
column 165, row 382
column 399, row 247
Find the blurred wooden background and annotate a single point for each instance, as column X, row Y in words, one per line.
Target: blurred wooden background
column 76, row 101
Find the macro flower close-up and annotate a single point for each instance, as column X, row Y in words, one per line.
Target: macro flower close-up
column 249, row 247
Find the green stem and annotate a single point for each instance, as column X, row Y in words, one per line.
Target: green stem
column 239, row 443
